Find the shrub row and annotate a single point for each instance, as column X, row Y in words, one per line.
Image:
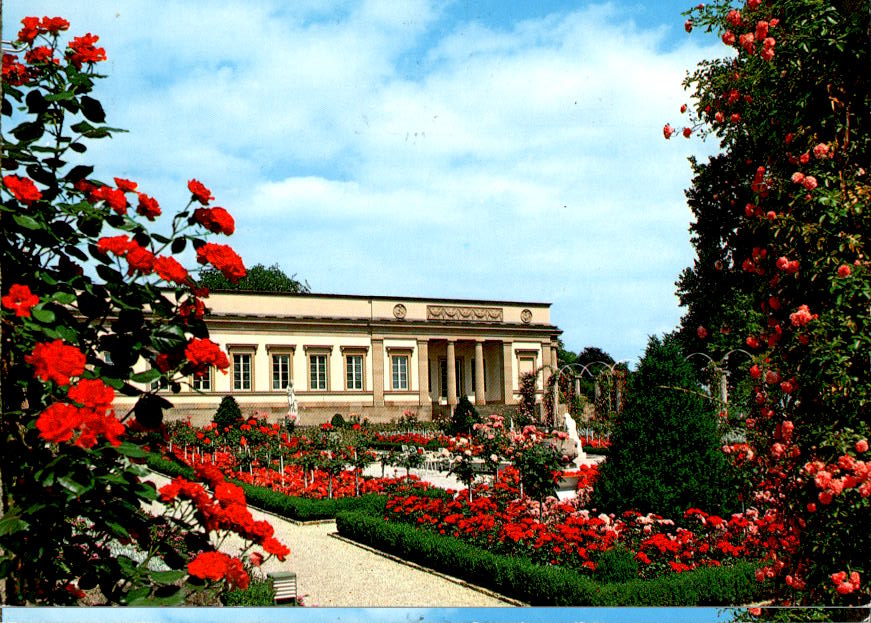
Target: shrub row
column 544, row 585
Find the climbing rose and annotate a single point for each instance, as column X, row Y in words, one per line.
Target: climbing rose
column 687, row 132
column 688, row 25
column 667, row 131
column 216, row 220
column 55, row 361
column 810, row 182
column 209, row 566
column 204, row 352
column 862, row 446
column 113, row 197
column 93, row 394
column 797, row 177
column 170, row 270
column 844, row 270
column 801, row 317
column 821, row 150
column 22, row 188
column 139, row 258
column 125, row 185
column 82, row 50
column 119, row 245
column 53, row 25
column 30, row 31
column 223, row 258
column 200, row 192
column 702, row 332
column 148, row 207
column 729, row 37
column 20, row 299
column 58, row 422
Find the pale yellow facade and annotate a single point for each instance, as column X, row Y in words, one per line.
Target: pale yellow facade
column 371, row 356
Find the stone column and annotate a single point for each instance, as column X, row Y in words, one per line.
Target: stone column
column 545, row 363
column 452, row 374
column 507, row 373
column 378, row 372
column 423, row 372
column 480, row 397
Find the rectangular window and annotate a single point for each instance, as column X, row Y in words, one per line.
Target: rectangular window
column 318, row 372
column 242, row 371
column 400, row 371
column 203, row 383
column 354, row 372
column 443, row 367
column 280, row 371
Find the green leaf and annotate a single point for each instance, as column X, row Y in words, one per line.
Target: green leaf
column 117, row 529
column 113, row 382
column 68, row 483
column 62, row 96
column 67, row 333
column 138, row 596
column 64, row 298
column 176, row 598
column 128, row 449
column 11, row 523
column 167, row 577
column 146, row 377
column 92, row 109
column 42, row 315
column 27, row 222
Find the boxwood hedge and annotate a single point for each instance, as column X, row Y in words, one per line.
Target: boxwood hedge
column 545, row 585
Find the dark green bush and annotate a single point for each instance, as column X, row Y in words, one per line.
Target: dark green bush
column 338, row 421
column 616, row 565
column 547, row 585
column 665, row 452
column 258, row 593
column 464, row 418
column 228, row 413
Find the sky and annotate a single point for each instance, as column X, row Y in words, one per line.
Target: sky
column 480, row 149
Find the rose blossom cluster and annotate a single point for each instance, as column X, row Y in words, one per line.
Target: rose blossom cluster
column 91, row 416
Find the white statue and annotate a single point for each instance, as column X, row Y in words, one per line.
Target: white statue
column 572, row 429
column 292, row 405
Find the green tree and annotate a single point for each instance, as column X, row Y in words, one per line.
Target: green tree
column 228, row 414
column 464, row 418
column 259, row 279
column 782, row 270
column 526, row 405
column 665, row 449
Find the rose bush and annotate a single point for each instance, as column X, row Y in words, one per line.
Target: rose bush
column 782, row 215
column 90, row 291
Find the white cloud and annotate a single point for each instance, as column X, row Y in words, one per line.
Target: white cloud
column 519, row 163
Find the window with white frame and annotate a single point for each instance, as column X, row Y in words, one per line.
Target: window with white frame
column 281, row 366
column 318, row 371
column 203, row 383
column 354, row 371
column 242, row 371
column 399, row 367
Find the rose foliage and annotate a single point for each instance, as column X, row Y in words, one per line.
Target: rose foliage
column 782, row 271
column 89, row 291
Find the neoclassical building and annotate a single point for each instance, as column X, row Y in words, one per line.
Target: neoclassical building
column 374, row 356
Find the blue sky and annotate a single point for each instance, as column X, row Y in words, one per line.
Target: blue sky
column 373, row 615
column 478, row 149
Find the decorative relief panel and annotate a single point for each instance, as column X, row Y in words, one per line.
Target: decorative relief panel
column 453, row 312
column 526, row 316
column 399, row 311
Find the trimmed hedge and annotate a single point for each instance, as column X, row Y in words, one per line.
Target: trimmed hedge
column 258, row 593
column 549, row 586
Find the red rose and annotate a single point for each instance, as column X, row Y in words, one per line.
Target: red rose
column 236, row 574
column 82, row 50
column 93, row 394
column 56, row 361
column 688, row 25
column 125, row 185
column 113, row 197
column 14, row 73
column 204, row 352
column 98, row 424
column 58, row 422
column 844, row 270
column 667, row 131
column 119, row 245
column 30, row 31
column 228, row 493
column 223, row 258
column 139, row 258
column 729, row 37
column 275, row 547
column 20, row 299
column 702, row 332
column 22, row 188
column 209, row 566
column 41, row 54
column 148, row 207
column 216, row 220
column 200, row 192
column 170, row 270
column 54, row 25
column 191, row 308
column 862, row 446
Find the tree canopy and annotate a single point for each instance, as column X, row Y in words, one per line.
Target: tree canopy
column 260, row 278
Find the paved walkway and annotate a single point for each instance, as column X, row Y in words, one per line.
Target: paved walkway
column 331, row 572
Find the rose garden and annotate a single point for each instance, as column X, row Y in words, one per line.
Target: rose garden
column 736, row 478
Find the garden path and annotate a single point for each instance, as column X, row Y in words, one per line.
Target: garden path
column 331, row 572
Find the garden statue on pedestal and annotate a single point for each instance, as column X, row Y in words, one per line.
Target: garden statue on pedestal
column 572, row 429
column 292, row 405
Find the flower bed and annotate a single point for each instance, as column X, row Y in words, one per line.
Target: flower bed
column 499, row 520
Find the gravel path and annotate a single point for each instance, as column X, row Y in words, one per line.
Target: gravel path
column 331, row 572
